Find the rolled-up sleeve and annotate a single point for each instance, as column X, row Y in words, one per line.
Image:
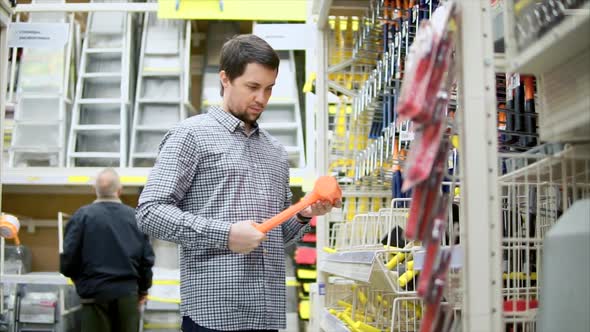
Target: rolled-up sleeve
column 158, row 214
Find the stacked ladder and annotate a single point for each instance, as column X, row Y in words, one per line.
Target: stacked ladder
column 43, row 100
column 162, row 86
column 102, row 108
column 282, row 116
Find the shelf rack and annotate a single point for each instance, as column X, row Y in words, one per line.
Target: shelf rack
column 479, row 190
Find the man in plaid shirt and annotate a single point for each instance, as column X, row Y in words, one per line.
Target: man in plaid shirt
column 217, row 174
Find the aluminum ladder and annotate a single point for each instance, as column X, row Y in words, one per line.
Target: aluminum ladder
column 43, row 98
column 161, row 98
column 102, row 106
column 282, row 116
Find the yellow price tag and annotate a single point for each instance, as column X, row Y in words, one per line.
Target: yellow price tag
column 78, row 179
column 131, row 179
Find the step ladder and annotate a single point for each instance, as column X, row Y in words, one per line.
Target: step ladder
column 43, row 99
column 102, row 107
column 282, row 116
column 162, row 92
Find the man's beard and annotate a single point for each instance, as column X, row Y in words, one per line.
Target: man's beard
column 245, row 117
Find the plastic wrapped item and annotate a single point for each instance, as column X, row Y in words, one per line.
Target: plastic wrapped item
column 36, row 159
column 418, row 67
column 427, row 67
column 433, row 236
column 425, row 198
column 38, row 109
column 423, row 152
column 433, row 320
column 41, row 71
column 17, row 259
column 38, row 307
column 36, row 136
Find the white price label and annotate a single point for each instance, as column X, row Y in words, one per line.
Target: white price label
column 406, row 136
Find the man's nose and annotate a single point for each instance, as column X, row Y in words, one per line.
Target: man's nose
column 259, row 97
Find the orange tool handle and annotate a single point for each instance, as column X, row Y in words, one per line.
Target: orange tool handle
column 288, row 213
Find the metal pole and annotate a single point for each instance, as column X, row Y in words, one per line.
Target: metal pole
column 480, row 228
column 3, row 68
column 321, row 117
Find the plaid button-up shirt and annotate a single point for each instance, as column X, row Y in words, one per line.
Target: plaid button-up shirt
column 208, row 175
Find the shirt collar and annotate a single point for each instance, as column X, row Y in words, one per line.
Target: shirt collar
column 112, row 200
column 229, row 121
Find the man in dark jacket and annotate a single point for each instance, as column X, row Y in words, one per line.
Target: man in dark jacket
column 109, row 259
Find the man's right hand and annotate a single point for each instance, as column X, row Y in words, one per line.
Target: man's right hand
column 244, row 237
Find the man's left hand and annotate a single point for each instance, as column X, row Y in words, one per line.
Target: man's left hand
column 142, row 299
column 320, row 208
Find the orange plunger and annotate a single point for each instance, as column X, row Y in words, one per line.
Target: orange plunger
column 326, row 188
column 9, row 226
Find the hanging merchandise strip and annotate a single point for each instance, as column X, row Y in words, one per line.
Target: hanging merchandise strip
column 424, row 100
column 370, row 150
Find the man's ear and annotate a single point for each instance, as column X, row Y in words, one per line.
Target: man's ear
column 224, row 79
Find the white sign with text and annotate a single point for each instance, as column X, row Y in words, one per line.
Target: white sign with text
column 37, row 35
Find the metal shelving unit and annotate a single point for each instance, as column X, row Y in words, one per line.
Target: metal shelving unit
column 54, row 179
column 489, row 193
column 481, row 302
column 558, row 59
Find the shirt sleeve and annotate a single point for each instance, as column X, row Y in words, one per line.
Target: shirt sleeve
column 145, row 266
column 70, row 261
column 292, row 229
column 158, row 214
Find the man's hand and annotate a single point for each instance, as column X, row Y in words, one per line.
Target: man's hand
column 320, row 208
column 142, row 299
column 244, row 237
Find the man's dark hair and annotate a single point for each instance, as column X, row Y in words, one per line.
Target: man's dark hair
column 241, row 50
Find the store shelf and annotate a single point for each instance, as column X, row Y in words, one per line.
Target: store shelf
column 84, row 176
column 564, row 41
column 36, row 278
column 534, row 169
column 331, row 323
column 87, row 7
column 355, row 265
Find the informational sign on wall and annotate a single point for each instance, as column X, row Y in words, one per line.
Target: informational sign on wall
column 287, row 36
column 37, row 35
